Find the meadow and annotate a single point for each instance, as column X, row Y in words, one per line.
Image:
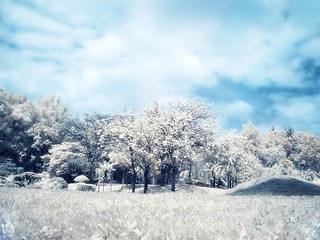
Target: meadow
column 189, row 213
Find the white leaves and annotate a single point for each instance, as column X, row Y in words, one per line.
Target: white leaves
column 161, row 135
column 119, row 158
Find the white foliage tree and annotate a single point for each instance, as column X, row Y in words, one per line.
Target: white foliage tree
column 122, row 131
column 144, row 145
column 89, row 133
column 50, row 115
column 232, row 158
column 182, row 133
column 273, row 148
column 306, row 157
column 250, row 138
column 66, row 160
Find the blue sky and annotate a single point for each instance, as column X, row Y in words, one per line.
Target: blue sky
column 256, row 61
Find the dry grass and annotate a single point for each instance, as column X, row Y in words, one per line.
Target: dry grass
column 186, row 214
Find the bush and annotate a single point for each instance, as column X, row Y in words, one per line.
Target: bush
column 7, row 167
column 2, row 180
column 26, row 178
column 55, row 183
column 82, row 187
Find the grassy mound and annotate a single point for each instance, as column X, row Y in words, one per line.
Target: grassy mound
column 286, row 186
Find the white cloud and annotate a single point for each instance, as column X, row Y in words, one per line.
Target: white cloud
column 299, row 110
column 301, row 113
column 133, row 57
column 240, row 110
column 106, row 50
column 311, row 48
column 258, row 56
column 29, row 19
column 38, row 40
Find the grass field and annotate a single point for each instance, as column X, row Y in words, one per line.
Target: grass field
column 190, row 213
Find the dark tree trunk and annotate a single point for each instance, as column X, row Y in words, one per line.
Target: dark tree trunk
column 162, row 176
column 146, row 179
column 213, row 182
column 167, row 174
column 133, row 183
column 213, row 179
column 91, row 171
column 134, row 177
column 219, row 182
column 173, row 178
column 134, row 173
column 34, row 165
column 190, row 170
column 229, row 181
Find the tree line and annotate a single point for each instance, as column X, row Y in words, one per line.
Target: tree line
column 159, row 144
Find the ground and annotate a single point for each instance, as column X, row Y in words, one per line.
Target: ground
column 189, row 213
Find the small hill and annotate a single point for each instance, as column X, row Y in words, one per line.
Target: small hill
column 286, row 186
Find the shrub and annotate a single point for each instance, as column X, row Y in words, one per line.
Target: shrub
column 26, row 178
column 2, row 180
column 7, row 167
column 55, row 183
column 82, row 187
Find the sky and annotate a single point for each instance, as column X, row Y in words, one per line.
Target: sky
column 255, row 61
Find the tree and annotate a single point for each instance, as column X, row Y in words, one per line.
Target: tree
column 66, row 160
column 88, row 133
column 251, row 138
column 232, row 158
column 306, row 157
column 273, row 149
column 144, row 145
column 122, row 133
column 29, row 129
column 7, row 152
column 50, row 116
column 181, row 133
column 291, row 153
column 17, row 115
column 158, row 139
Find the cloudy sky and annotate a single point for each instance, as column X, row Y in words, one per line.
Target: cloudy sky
column 256, row 61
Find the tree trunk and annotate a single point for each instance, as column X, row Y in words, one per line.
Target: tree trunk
column 134, row 177
column 133, row 183
column 163, row 176
column 213, row 182
column 146, row 179
column 190, row 170
column 173, row 180
column 213, row 179
column 228, row 180
column 91, row 172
